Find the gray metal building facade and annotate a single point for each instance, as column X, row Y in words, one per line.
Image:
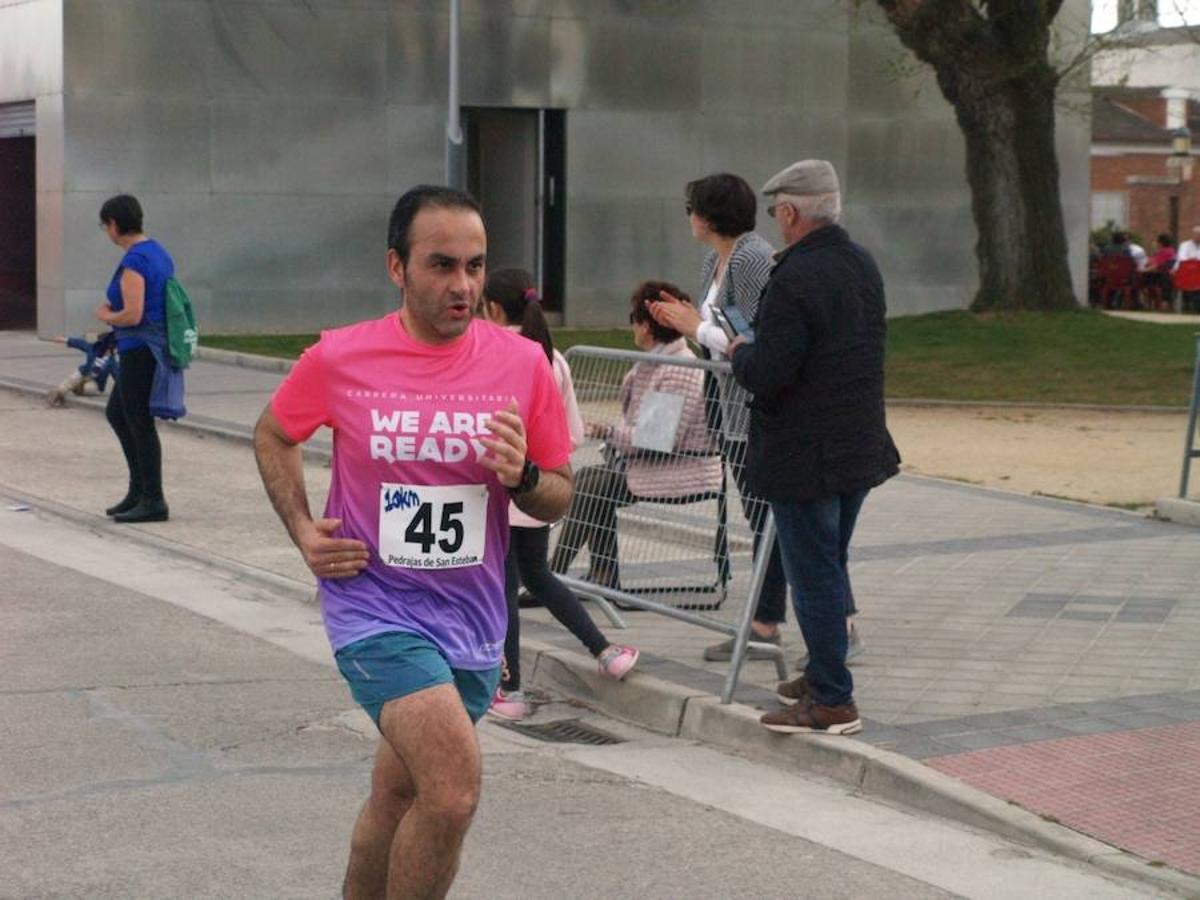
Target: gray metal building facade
column 268, row 139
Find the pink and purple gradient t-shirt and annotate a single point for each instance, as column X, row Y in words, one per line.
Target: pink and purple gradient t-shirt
column 407, row 419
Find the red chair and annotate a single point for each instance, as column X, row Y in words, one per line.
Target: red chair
column 1187, row 275
column 1117, row 274
column 1187, row 281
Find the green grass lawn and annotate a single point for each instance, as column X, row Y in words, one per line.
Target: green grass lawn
column 1076, row 357
column 289, row 346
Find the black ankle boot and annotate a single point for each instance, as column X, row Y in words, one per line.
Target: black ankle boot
column 131, row 500
column 145, row 511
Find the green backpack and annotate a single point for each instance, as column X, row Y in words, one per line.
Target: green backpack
column 182, row 336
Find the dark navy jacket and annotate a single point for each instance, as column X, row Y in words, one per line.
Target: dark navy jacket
column 817, row 423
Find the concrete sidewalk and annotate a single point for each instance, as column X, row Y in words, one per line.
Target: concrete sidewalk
column 1040, row 652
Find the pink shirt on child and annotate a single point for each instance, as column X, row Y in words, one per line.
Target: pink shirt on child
column 407, row 417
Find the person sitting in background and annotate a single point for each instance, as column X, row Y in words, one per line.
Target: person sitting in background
column 1138, row 252
column 1189, row 249
column 1163, row 259
column 1117, row 246
column 1157, row 277
column 633, row 473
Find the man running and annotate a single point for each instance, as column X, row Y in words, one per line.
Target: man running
column 438, row 420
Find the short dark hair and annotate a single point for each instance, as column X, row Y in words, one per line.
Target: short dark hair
column 649, row 290
column 725, row 201
column 1164, row 240
column 413, row 201
column 124, row 211
column 1119, row 237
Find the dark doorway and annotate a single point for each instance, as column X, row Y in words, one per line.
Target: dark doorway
column 18, row 229
column 516, row 163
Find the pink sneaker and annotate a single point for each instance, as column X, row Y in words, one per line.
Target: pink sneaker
column 616, row 661
column 509, row 705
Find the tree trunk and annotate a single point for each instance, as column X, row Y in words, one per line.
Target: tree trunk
column 1012, row 169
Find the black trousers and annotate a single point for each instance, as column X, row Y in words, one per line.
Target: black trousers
column 128, row 413
column 592, row 522
column 526, row 563
column 772, row 602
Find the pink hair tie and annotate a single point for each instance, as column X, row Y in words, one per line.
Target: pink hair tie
column 530, row 295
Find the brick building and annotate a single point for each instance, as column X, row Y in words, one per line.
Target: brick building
column 1145, row 96
column 1139, row 179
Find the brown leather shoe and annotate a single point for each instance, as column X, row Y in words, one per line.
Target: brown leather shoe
column 812, row 717
column 790, row 692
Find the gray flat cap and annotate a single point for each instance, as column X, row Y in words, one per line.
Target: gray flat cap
column 803, row 179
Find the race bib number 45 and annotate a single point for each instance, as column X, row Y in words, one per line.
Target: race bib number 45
column 428, row 527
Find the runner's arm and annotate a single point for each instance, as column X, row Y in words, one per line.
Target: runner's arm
column 552, row 496
column 281, row 465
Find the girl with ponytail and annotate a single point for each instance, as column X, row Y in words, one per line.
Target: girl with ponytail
column 511, row 301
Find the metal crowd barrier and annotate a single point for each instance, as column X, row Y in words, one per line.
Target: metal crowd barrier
column 1189, row 447
column 658, row 522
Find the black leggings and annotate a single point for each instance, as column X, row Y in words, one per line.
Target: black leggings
column 772, row 601
column 128, row 413
column 526, row 563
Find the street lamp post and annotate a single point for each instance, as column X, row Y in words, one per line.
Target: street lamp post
column 456, row 162
column 1179, row 162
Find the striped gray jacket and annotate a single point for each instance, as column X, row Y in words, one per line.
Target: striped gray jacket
column 745, row 277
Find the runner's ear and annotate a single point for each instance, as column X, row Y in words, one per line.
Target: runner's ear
column 395, row 268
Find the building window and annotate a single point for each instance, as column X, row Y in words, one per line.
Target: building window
column 1110, row 206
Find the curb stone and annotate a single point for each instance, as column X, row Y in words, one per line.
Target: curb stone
column 1178, row 510
column 677, row 711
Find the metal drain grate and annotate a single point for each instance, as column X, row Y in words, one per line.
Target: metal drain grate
column 564, row 731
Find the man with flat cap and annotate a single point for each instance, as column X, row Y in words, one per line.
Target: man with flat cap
column 818, row 437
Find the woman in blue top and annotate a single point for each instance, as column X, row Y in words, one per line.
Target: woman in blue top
column 136, row 312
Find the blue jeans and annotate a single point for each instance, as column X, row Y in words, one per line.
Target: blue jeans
column 814, row 540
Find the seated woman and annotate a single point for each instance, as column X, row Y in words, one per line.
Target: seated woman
column 632, row 473
column 1156, row 279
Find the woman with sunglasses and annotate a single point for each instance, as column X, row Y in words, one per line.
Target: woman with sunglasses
column 721, row 212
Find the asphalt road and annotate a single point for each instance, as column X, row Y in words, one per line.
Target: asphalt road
column 171, row 731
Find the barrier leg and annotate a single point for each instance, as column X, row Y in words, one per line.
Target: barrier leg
column 1189, row 451
column 741, row 639
column 610, row 611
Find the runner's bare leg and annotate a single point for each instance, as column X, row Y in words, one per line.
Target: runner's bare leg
column 435, row 746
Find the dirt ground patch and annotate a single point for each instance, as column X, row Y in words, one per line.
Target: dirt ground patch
column 1125, row 459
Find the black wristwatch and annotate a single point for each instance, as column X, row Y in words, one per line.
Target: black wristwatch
column 529, row 479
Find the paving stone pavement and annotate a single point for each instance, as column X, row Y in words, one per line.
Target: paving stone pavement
column 1043, row 651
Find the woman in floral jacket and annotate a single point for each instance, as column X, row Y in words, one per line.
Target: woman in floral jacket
column 692, row 467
